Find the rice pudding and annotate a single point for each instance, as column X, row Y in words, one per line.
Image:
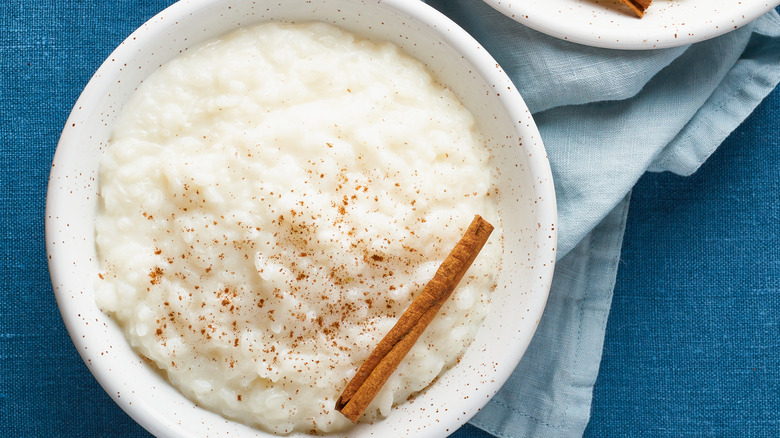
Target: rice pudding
column 271, row 202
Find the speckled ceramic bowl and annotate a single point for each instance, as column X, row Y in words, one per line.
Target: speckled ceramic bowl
column 522, row 173
column 611, row 24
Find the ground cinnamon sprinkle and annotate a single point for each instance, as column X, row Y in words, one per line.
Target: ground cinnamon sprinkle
column 156, row 275
column 264, row 259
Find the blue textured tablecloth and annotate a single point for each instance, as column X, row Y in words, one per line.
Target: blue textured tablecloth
column 691, row 345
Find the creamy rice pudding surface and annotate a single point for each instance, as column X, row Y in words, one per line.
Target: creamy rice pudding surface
column 271, row 202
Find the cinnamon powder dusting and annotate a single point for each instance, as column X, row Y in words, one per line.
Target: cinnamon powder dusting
column 264, row 240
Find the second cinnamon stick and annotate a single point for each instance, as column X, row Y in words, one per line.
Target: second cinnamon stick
column 638, row 6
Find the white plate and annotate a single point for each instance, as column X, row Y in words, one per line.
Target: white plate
column 611, row 24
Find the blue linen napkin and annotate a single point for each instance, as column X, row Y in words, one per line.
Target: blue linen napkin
column 606, row 117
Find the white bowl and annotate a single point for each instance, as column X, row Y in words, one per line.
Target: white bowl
column 612, row 25
column 522, row 173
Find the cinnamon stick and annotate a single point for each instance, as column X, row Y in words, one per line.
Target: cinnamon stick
column 386, row 357
column 638, row 6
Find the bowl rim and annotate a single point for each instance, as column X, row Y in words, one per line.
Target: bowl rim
column 102, row 80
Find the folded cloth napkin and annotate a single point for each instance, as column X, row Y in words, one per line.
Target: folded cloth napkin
column 606, row 117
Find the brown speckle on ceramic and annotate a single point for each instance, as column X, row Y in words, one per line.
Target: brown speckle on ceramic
column 524, row 187
column 610, row 24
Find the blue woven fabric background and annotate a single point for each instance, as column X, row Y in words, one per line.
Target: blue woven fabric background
column 692, row 340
